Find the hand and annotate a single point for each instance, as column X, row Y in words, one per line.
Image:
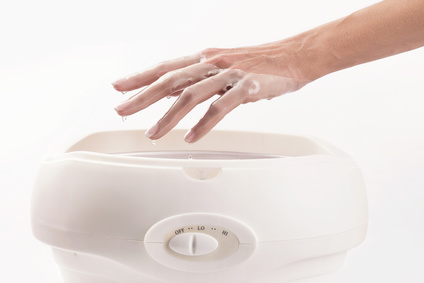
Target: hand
column 237, row 75
column 248, row 74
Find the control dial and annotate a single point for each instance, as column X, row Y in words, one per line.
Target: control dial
column 209, row 242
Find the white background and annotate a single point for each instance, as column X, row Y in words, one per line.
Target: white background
column 58, row 58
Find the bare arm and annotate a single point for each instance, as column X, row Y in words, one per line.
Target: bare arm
column 248, row 74
column 381, row 30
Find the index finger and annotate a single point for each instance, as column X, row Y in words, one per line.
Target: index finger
column 150, row 75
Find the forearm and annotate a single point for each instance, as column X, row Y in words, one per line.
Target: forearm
column 381, row 30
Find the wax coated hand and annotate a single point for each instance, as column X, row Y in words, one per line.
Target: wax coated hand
column 248, row 74
column 238, row 76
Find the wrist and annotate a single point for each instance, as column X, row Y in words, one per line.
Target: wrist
column 316, row 56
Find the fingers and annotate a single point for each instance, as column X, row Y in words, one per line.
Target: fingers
column 192, row 96
column 216, row 112
column 250, row 88
column 146, row 77
column 238, row 76
column 168, row 84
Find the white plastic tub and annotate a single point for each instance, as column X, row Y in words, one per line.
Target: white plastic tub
column 234, row 207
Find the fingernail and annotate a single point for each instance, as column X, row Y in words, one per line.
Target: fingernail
column 123, row 105
column 119, row 81
column 115, row 85
column 189, row 136
column 119, row 85
column 152, row 131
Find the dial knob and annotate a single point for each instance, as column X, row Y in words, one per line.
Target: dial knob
column 193, row 244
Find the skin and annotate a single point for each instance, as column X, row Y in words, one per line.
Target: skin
column 248, row 74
